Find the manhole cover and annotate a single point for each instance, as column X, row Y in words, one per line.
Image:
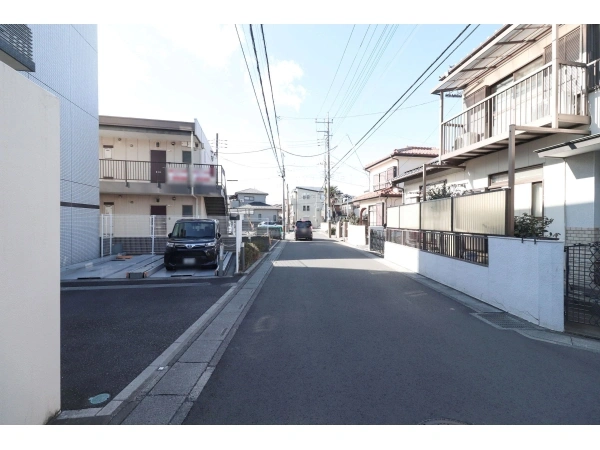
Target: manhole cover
column 100, row 398
column 505, row 321
column 443, row 422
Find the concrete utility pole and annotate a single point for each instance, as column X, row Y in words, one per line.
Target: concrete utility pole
column 327, row 195
column 217, row 153
column 283, row 196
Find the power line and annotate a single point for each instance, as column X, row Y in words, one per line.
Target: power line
column 368, row 72
column 254, row 89
column 441, row 62
column 348, row 73
column 264, row 99
column 353, row 84
column 359, row 115
column 407, row 90
column 336, row 70
column 272, row 97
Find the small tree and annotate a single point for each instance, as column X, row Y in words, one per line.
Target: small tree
column 527, row 225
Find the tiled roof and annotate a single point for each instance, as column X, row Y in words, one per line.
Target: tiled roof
column 409, row 151
column 387, row 192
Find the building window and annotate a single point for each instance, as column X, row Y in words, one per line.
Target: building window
column 537, row 200
column 248, row 198
column 186, row 157
column 260, row 216
column 308, row 207
column 187, row 210
column 303, row 207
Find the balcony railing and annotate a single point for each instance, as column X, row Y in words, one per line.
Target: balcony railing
column 160, row 172
column 523, row 103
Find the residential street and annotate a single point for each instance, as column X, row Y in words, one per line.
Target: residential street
column 335, row 337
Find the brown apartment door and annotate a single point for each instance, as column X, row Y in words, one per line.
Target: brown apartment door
column 158, row 166
column 160, row 220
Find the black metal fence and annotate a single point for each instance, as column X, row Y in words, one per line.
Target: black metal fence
column 466, row 247
column 377, row 241
column 582, row 284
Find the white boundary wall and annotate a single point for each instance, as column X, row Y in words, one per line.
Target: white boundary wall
column 30, row 249
column 356, row 234
column 523, row 278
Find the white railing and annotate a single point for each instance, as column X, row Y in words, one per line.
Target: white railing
column 524, row 102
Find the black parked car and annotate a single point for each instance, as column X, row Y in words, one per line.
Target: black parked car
column 193, row 242
column 303, row 230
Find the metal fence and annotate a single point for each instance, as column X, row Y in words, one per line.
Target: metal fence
column 483, row 213
column 138, row 234
column 377, row 240
column 582, row 283
column 466, row 247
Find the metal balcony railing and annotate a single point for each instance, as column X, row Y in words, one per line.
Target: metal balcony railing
column 523, row 103
column 160, row 172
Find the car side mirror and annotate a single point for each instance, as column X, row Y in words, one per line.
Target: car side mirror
column 169, row 235
column 218, row 235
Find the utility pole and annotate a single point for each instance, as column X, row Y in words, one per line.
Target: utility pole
column 217, row 149
column 327, row 136
column 283, row 196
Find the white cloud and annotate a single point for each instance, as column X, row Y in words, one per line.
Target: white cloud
column 286, row 88
column 213, row 44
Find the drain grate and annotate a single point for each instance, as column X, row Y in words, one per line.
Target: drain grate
column 443, row 422
column 505, row 321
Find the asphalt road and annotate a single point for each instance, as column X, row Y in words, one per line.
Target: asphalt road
column 335, row 337
column 110, row 332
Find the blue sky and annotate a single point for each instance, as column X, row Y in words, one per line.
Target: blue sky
column 184, row 73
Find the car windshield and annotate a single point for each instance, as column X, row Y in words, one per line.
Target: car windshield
column 194, row 230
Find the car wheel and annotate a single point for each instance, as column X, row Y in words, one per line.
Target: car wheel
column 169, row 268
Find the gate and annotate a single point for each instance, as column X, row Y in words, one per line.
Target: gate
column 377, row 240
column 582, row 284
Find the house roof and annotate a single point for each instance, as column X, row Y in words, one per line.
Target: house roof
column 251, row 191
column 314, row 189
column 387, row 192
column 499, row 48
column 409, row 151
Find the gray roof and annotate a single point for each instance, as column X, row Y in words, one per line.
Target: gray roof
column 251, row 191
column 306, row 188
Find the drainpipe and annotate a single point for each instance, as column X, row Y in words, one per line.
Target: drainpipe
column 191, row 172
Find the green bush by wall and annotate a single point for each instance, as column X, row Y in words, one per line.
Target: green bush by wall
column 251, row 254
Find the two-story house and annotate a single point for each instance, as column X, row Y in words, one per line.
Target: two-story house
column 529, row 125
column 372, row 205
column 526, row 141
column 255, row 207
column 153, row 172
column 307, row 203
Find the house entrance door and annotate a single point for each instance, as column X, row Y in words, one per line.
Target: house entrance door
column 158, row 166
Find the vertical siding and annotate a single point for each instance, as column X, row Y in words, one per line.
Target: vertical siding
column 436, row 215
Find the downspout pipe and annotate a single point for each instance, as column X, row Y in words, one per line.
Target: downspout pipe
column 191, row 174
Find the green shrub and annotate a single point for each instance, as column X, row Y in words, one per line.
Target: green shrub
column 262, row 242
column 251, row 254
column 333, row 230
column 527, row 225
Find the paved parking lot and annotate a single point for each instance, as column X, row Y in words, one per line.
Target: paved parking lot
column 111, row 331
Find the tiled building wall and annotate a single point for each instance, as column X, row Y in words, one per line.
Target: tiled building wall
column 66, row 63
column 581, row 235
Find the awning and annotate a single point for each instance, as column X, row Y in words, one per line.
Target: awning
column 503, row 45
column 575, row 147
